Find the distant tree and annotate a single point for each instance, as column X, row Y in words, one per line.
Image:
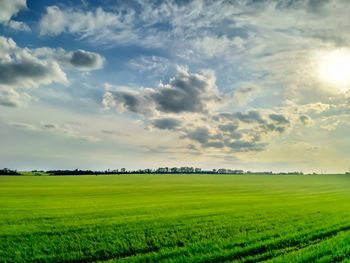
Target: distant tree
column 6, row 171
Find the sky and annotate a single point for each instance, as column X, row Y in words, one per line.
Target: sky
column 258, row 85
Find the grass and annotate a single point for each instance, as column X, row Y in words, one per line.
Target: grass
column 175, row 218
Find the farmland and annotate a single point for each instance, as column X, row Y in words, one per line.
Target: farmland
column 175, row 218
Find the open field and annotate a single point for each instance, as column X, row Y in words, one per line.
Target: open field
column 175, row 218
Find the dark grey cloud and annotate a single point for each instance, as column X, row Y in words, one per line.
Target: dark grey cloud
column 229, row 127
column 279, row 118
column 132, row 102
column 238, row 131
column 215, row 144
column 8, row 103
column 232, row 141
column 249, row 117
column 244, row 146
column 128, row 100
column 177, row 100
column 78, row 59
column 22, row 68
column 200, row 135
column 50, row 126
column 86, row 60
column 11, row 73
column 185, row 93
column 279, row 123
column 271, row 122
column 252, row 116
column 166, row 123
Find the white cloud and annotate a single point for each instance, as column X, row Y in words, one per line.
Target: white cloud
column 98, row 26
column 25, row 68
column 246, row 38
column 215, row 46
column 245, row 93
column 155, row 64
column 53, row 23
column 7, row 46
column 140, row 26
column 190, row 105
column 11, row 98
column 73, row 130
column 19, row 67
column 18, row 26
column 67, row 129
column 22, row 125
column 8, row 9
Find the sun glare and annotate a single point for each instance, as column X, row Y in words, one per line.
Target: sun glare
column 334, row 68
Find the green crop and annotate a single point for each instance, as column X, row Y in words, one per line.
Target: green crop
column 175, row 218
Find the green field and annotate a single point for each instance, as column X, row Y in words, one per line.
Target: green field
column 175, row 218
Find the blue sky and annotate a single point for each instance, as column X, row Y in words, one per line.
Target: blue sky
column 254, row 85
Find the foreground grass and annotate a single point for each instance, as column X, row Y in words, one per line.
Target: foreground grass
column 175, row 218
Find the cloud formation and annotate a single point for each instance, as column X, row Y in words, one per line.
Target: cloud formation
column 11, row 98
column 8, row 9
column 245, row 93
column 243, row 131
column 67, row 129
column 18, row 26
column 241, row 40
column 86, row 60
column 24, row 68
column 186, row 92
column 190, row 104
column 20, row 67
column 98, row 25
column 30, row 72
column 166, row 123
column 77, row 59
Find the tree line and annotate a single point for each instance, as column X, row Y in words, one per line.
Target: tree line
column 6, row 171
column 160, row 170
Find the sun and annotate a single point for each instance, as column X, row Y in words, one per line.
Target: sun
column 334, row 68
